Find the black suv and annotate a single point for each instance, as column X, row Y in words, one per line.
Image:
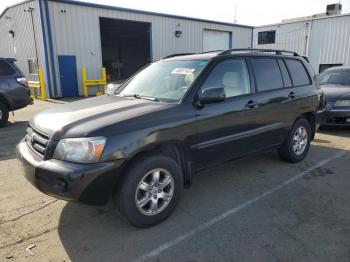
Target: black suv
column 14, row 91
column 142, row 144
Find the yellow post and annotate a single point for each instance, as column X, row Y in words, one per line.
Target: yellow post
column 84, row 82
column 42, row 85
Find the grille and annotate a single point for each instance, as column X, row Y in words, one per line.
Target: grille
column 37, row 141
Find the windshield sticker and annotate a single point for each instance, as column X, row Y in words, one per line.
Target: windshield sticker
column 183, row 71
column 202, row 63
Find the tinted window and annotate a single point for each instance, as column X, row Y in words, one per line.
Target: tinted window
column 298, row 73
column 266, row 37
column 6, row 69
column 232, row 75
column 267, row 73
column 335, row 77
column 286, row 79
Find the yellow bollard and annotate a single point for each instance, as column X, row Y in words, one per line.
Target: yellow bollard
column 93, row 82
column 42, row 85
column 84, row 82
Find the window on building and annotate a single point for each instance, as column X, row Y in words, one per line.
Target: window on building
column 6, row 69
column 32, row 70
column 266, row 37
column 298, row 72
column 232, row 75
column 326, row 66
column 267, row 74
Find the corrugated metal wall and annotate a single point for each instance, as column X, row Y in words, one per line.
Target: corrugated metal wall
column 77, row 32
column 22, row 46
column 329, row 39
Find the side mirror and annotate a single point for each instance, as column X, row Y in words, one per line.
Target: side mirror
column 212, row 95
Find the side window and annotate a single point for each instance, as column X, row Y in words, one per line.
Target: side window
column 286, row 79
column 232, row 75
column 6, row 69
column 267, row 74
column 298, row 73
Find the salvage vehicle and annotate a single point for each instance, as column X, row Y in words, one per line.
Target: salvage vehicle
column 335, row 84
column 176, row 116
column 14, row 91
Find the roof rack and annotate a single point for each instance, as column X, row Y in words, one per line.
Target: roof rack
column 173, row 55
column 276, row 51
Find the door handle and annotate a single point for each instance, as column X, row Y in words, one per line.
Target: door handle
column 251, row 104
column 292, row 95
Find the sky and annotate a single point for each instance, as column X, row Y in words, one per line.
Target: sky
column 248, row 12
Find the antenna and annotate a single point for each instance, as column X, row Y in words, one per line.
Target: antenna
column 235, row 19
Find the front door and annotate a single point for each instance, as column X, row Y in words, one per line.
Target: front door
column 68, row 75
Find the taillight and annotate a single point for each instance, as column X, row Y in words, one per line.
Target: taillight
column 23, row 81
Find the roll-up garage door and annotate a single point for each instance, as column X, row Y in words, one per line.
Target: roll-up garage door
column 215, row 40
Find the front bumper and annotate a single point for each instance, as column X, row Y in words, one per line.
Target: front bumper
column 335, row 117
column 89, row 183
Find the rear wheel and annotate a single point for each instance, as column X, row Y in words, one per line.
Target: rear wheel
column 4, row 114
column 297, row 143
column 149, row 190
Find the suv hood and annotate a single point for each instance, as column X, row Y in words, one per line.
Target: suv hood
column 80, row 118
column 333, row 93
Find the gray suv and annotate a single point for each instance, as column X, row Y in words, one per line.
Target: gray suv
column 14, row 91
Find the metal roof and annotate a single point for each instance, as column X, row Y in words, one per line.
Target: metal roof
column 95, row 5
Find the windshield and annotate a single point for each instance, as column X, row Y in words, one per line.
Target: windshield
column 335, row 77
column 163, row 80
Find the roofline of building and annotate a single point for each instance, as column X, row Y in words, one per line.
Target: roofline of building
column 304, row 20
column 95, row 5
column 14, row 5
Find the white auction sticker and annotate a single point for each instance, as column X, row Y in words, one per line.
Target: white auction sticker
column 183, row 71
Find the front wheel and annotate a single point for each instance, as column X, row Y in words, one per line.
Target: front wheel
column 297, row 143
column 149, row 190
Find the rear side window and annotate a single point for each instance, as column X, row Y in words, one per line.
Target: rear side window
column 6, row 69
column 298, row 72
column 286, row 79
column 267, row 74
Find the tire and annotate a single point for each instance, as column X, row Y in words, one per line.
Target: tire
column 4, row 114
column 292, row 154
column 128, row 191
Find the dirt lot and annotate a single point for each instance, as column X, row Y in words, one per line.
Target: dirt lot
column 254, row 209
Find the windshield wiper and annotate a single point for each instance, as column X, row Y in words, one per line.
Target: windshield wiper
column 142, row 97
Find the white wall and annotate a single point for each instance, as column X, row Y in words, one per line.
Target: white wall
column 22, row 45
column 323, row 40
column 77, row 32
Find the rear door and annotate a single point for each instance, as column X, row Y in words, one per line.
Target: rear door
column 275, row 96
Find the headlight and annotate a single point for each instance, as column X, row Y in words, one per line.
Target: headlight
column 82, row 150
column 342, row 103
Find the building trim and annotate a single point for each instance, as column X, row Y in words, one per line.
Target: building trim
column 45, row 47
column 52, row 58
column 14, row 5
column 302, row 20
column 87, row 4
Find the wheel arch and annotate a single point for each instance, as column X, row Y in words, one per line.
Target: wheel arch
column 4, row 100
column 173, row 149
column 311, row 118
